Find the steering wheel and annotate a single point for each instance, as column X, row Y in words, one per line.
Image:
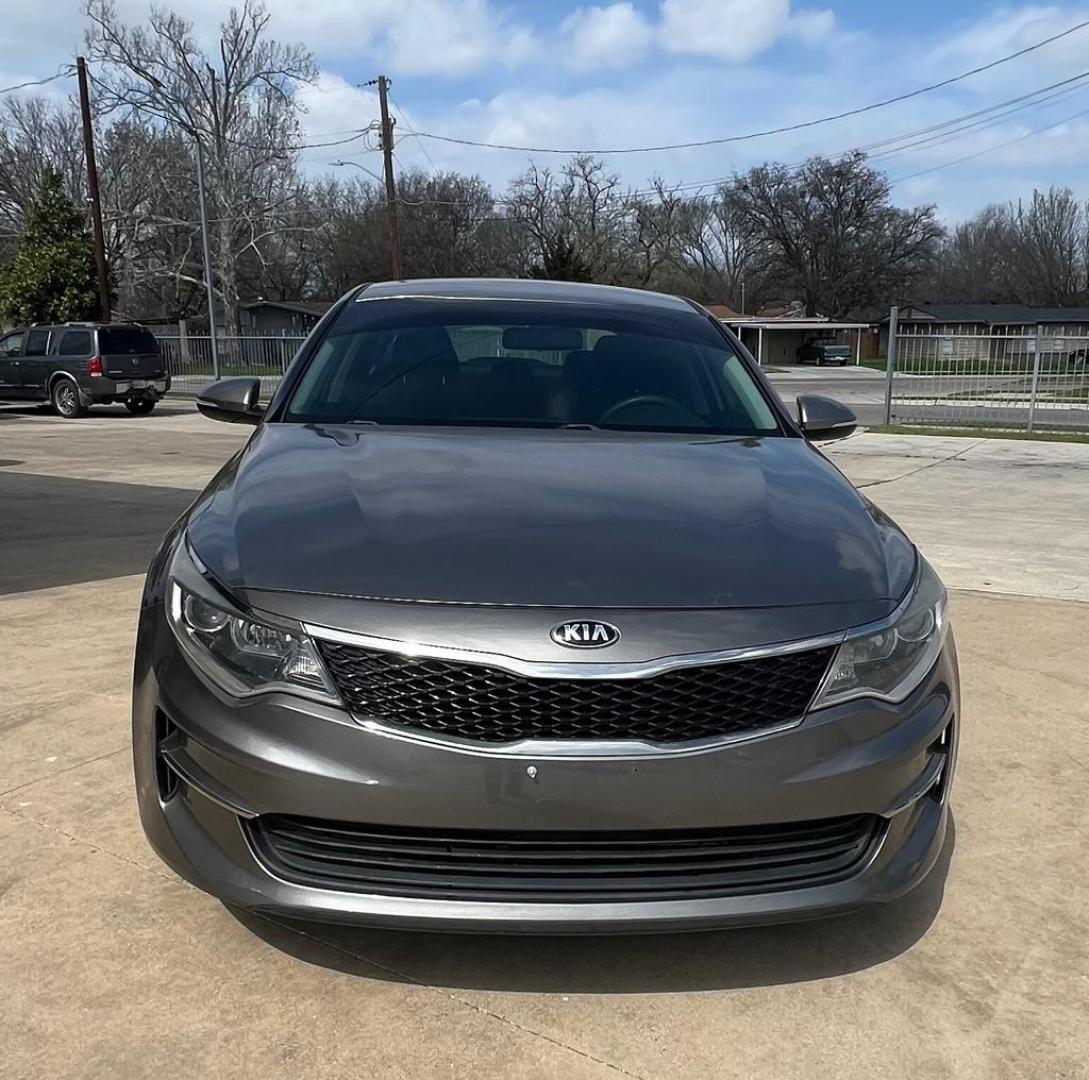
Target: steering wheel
column 649, row 399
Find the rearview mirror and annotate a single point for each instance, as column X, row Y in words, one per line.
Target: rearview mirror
column 542, row 338
column 822, row 417
column 235, row 401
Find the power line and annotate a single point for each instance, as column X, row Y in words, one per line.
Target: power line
column 352, row 134
column 954, row 133
column 769, row 131
column 1043, row 93
column 419, row 142
column 269, row 146
column 932, row 135
column 990, row 149
column 67, row 74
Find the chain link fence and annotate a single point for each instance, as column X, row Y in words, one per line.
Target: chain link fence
column 189, row 360
column 1024, row 381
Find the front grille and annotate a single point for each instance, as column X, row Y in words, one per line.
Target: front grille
column 487, row 704
column 557, row 867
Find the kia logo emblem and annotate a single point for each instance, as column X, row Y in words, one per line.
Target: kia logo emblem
column 585, row 635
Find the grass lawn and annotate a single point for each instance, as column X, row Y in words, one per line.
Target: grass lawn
column 982, row 433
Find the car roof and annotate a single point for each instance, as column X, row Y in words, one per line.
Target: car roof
column 78, row 326
column 559, row 292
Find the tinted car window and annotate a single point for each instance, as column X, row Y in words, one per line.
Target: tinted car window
column 12, row 345
column 75, row 343
column 520, row 364
column 36, row 342
column 115, row 340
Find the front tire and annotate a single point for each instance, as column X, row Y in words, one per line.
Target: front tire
column 140, row 406
column 64, row 397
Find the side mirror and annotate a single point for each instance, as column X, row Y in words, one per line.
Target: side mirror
column 822, row 417
column 233, row 401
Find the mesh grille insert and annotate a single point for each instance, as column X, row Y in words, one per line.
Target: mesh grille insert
column 487, row 704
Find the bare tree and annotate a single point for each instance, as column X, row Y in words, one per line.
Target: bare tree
column 834, row 237
column 1033, row 254
column 572, row 218
column 722, row 249
column 1050, row 248
column 35, row 136
column 650, row 248
column 976, row 262
column 150, row 214
column 241, row 104
column 441, row 218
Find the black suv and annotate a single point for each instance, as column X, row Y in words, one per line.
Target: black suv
column 76, row 365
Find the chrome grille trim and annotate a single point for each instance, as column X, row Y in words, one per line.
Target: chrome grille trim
column 550, row 669
column 549, row 749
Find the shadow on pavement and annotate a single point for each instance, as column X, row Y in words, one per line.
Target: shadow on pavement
column 664, row 963
column 55, row 530
column 179, row 407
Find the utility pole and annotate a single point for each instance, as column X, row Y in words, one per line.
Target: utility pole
column 207, row 246
column 92, row 190
column 391, row 185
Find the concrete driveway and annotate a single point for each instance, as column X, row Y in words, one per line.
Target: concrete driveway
column 115, row 968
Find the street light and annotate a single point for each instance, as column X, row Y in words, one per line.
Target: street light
column 362, row 168
column 207, row 247
column 205, row 239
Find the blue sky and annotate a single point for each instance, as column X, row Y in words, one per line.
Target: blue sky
column 637, row 72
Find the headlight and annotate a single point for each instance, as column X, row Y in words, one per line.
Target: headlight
column 237, row 652
column 889, row 663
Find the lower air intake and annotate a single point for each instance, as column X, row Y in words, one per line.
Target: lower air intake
column 562, row 867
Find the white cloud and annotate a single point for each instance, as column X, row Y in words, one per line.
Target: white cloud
column 410, row 37
column 1009, row 30
column 724, row 29
column 811, row 27
column 453, row 37
column 606, row 37
column 333, row 104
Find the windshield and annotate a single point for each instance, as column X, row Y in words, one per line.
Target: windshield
column 512, row 363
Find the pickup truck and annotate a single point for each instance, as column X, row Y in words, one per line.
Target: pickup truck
column 823, row 350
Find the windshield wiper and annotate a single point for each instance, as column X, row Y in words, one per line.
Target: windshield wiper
column 579, row 427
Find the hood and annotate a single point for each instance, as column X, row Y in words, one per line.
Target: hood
column 551, row 518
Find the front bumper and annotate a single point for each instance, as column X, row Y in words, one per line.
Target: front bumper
column 229, row 760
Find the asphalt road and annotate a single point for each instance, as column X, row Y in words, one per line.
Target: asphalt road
column 861, row 389
column 954, row 400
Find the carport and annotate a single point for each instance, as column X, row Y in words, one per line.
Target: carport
column 775, row 341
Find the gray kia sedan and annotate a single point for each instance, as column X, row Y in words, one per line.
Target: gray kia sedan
column 528, row 607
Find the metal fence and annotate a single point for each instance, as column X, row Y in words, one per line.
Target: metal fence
column 1036, row 381
column 189, row 360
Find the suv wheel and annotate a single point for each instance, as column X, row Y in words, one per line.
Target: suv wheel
column 140, row 406
column 65, row 400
